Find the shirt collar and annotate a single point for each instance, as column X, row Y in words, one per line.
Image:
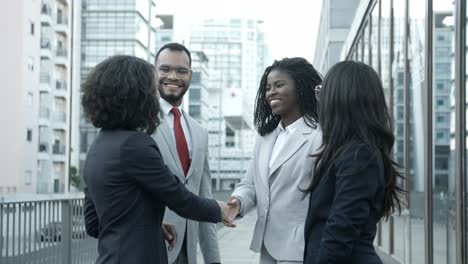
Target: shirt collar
column 166, row 107
column 299, row 123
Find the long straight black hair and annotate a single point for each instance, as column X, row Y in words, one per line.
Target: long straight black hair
column 352, row 109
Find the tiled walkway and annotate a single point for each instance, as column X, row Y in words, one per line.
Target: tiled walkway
column 234, row 243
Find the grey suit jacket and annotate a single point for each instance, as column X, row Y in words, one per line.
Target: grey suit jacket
column 281, row 206
column 198, row 181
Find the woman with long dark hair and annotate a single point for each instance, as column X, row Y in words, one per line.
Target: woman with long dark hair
column 286, row 121
column 355, row 182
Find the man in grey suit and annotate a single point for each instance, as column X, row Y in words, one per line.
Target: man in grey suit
column 184, row 147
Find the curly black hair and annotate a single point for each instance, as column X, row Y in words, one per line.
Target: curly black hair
column 120, row 93
column 305, row 78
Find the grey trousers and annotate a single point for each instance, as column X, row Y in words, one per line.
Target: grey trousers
column 266, row 258
column 182, row 258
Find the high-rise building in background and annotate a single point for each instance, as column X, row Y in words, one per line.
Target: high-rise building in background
column 37, row 97
column 198, row 94
column 19, row 103
column 54, row 96
column 335, row 23
column 443, row 76
column 110, row 28
column 165, row 31
column 232, row 48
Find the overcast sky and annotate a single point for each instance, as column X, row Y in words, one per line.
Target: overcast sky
column 291, row 26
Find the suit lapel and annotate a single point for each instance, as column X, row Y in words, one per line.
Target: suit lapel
column 265, row 154
column 291, row 146
column 167, row 134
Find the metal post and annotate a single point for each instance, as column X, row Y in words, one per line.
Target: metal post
column 428, row 202
column 392, row 106
column 66, row 236
column 407, row 132
column 460, row 128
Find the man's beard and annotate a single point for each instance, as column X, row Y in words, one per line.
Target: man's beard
column 172, row 98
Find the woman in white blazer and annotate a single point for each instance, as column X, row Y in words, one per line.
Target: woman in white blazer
column 282, row 164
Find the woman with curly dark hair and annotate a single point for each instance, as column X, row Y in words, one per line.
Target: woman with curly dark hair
column 127, row 183
column 355, row 182
column 286, row 121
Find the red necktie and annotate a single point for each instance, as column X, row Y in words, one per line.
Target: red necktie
column 181, row 143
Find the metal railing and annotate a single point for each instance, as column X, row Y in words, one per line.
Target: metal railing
column 43, row 147
column 58, row 149
column 45, row 231
column 46, row 10
column 45, row 78
column 62, row 20
column 50, row 231
column 44, row 112
column 61, row 85
column 61, row 52
column 45, row 43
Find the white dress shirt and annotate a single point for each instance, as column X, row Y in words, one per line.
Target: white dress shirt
column 283, row 134
column 169, row 117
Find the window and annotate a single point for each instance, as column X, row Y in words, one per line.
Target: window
column 31, row 28
column 196, row 77
column 27, row 177
column 440, row 135
column 441, row 163
column 31, row 63
column 29, row 99
column 400, row 78
column 440, row 118
column 29, row 135
column 194, row 111
column 194, row 95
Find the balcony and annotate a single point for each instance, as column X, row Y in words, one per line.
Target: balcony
column 45, row 81
column 62, row 24
column 59, row 117
column 61, row 85
column 46, row 49
column 46, row 15
column 61, row 56
column 58, row 149
column 61, row 88
column 44, row 113
column 64, row 2
column 44, row 147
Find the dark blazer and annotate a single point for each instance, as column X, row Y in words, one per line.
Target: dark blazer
column 344, row 209
column 128, row 187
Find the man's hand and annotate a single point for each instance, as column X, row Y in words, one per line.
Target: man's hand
column 226, row 214
column 170, row 235
column 230, row 210
column 234, row 208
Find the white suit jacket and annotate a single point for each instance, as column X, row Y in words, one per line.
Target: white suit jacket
column 281, row 206
column 198, row 181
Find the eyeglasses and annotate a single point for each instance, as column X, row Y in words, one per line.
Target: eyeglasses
column 180, row 71
column 317, row 90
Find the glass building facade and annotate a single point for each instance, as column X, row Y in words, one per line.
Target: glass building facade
column 419, row 48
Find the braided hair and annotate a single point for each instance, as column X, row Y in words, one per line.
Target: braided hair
column 305, row 78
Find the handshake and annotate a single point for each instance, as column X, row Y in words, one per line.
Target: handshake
column 230, row 210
